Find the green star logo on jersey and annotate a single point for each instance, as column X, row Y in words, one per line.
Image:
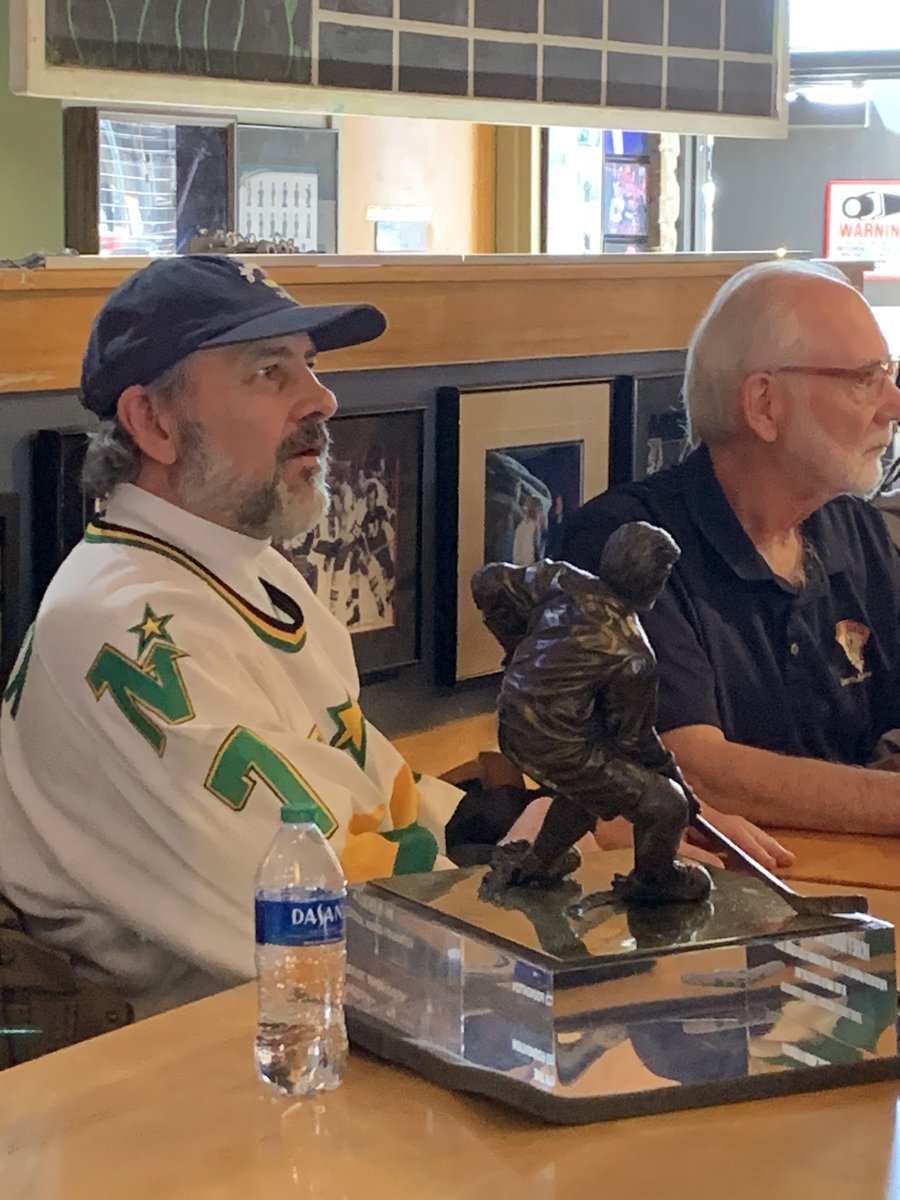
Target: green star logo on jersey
column 150, row 628
column 351, row 730
column 149, row 690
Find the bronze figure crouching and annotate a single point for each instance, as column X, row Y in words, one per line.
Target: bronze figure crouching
column 577, row 711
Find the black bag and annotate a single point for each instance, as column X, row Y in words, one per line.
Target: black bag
column 495, row 796
column 44, row 1005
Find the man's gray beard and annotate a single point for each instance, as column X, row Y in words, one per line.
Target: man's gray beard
column 207, row 487
column 832, row 464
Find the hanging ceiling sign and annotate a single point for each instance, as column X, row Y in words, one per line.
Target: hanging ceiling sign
column 701, row 68
column 862, row 221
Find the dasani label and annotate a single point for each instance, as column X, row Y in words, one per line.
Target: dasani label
column 299, row 922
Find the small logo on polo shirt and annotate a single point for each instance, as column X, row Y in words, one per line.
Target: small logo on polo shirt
column 852, row 636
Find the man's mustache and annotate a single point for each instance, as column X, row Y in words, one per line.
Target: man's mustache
column 311, row 434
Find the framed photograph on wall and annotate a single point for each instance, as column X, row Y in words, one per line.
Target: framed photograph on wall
column 362, row 560
column 649, row 426
column 625, row 199
column 512, row 464
column 287, row 185
column 10, row 633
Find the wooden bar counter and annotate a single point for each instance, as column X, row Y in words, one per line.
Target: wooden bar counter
column 840, row 858
column 170, row 1109
column 440, row 310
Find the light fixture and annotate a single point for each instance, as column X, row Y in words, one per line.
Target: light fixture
column 840, row 94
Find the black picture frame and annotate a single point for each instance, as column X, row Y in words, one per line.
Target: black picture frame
column 471, row 426
column 620, row 245
column 376, row 462
column 60, row 509
column 649, row 425
column 626, row 183
column 10, row 631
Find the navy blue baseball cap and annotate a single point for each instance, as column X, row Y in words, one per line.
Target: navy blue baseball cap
column 175, row 306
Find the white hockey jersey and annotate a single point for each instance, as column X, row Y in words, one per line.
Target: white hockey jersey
column 180, row 683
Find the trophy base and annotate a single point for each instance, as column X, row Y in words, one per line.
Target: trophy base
column 457, row 1075
column 578, row 1014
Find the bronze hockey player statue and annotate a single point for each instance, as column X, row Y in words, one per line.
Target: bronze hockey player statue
column 577, row 711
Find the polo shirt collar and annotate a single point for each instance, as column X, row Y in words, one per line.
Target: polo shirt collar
column 716, row 520
column 714, row 517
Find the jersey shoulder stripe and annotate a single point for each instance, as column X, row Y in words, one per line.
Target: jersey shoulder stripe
column 288, row 635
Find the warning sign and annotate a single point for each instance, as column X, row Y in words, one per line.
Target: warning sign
column 862, row 221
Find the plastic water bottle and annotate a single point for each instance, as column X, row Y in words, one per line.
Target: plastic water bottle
column 301, row 1038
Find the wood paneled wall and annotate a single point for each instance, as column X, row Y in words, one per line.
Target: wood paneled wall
column 446, row 166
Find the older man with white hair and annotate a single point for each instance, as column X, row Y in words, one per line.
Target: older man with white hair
column 777, row 636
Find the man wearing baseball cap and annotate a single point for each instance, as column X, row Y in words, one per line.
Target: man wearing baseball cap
column 181, row 681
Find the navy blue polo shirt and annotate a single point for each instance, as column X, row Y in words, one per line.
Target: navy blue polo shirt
column 810, row 671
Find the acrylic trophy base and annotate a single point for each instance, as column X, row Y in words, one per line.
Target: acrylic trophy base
column 611, row 1012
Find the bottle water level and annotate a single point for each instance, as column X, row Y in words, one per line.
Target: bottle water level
column 301, row 1038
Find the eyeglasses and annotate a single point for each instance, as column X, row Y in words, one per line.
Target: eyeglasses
column 868, row 378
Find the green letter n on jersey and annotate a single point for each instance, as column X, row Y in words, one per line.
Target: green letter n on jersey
column 151, row 684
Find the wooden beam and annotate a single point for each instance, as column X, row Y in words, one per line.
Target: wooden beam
column 484, row 236
column 518, row 176
column 481, row 310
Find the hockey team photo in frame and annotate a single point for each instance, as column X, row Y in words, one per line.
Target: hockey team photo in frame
column 362, row 559
column 513, row 465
